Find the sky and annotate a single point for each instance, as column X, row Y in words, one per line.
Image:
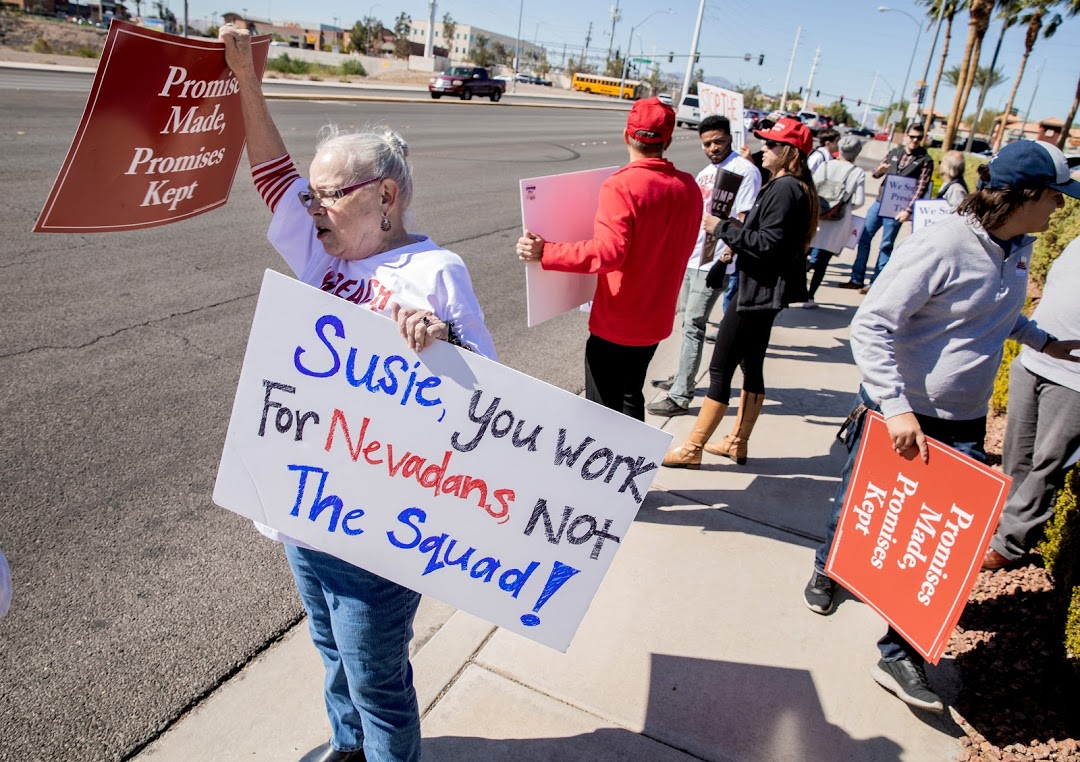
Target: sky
column 856, row 40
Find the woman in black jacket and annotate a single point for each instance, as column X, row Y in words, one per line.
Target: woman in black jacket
column 771, row 260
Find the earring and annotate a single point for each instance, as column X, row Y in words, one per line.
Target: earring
column 385, row 224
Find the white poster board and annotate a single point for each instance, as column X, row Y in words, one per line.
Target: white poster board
column 716, row 101
column 896, row 194
column 444, row 472
column 857, row 225
column 560, row 208
column 929, row 212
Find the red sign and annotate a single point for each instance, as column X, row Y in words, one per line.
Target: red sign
column 160, row 138
column 912, row 535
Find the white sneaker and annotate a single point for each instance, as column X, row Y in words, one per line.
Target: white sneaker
column 809, row 304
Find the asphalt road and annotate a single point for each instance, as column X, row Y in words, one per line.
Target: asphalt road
column 134, row 594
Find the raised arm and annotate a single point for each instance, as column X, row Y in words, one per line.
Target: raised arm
column 264, row 142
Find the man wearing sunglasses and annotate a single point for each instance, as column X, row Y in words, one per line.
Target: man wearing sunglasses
column 910, row 160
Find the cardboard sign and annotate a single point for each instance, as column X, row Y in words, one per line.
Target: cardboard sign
column 724, row 193
column 716, row 101
column 896, row 194
column 929, row 212
column 912, row 535
column 857, row 225
column 444, row 472
column 160, row 137
column 560, row 208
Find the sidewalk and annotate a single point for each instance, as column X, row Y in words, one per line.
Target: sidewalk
column 698, row 645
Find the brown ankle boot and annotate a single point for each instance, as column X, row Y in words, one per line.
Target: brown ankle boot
column 688, row 454
column 734, row 445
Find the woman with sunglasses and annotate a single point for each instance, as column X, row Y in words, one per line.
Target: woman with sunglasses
column 770, row 249
column 342, row 230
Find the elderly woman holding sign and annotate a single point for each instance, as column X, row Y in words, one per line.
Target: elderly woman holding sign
column 342, row 230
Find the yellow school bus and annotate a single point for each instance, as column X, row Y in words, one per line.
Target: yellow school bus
column 594, row 83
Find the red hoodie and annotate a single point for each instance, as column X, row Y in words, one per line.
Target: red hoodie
column 643, row 235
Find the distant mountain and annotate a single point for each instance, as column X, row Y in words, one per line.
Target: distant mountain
column 723, row 82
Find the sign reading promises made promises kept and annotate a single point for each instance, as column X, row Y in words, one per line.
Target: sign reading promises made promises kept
column 444, row 471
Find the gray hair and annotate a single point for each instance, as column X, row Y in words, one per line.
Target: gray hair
column 371, row 152
column 952, row 164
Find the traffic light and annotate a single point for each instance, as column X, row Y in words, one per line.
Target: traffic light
column 858, row 102
column 761, row 60
column 697, row 57
column 800, row 91
column 671, row 58
column 817, row 93
column 841, row 99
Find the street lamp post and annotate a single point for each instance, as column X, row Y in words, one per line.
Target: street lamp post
column 630, row 42
column 911, row 61
column 517, row 49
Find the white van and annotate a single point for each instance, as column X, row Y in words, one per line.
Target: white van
column 688, row 113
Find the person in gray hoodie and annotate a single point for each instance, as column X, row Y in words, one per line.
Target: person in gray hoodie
column 928, row 341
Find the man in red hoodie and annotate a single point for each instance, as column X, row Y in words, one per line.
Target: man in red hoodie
column 643, row 235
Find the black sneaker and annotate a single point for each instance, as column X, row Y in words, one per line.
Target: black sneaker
column 819, row 593
column 667, row 407
column 907, row 681
column 663, row 383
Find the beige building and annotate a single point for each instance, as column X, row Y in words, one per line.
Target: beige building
column 462, row 45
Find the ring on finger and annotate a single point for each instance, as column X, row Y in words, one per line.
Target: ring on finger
column 425, row 320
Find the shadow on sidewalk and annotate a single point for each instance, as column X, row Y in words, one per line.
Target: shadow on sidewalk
column 709, row 710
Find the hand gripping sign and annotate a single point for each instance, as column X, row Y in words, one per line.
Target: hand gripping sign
column 912, row 535
column 444, row 472
column 160, row 138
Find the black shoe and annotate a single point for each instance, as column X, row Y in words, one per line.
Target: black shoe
column 663, row 383
column 907, row 681
column 849, row 284
column 711, row 337
column 819, row 593
column 667, row 407
column 333, row 755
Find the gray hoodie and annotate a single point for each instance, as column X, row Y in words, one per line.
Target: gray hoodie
column 928, row 338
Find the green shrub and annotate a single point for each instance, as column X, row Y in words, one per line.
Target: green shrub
column 87, row 52
column 41, row 45
column 285, row 65
column 1060, row 548
column 999, row 399
column 971, row 169
column 353, row 69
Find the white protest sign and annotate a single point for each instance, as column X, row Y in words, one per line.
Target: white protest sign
column 857, row 225
column 444, row 472
column 929, row 212
column 716, row 101
column 896, row 194
column 560, row 208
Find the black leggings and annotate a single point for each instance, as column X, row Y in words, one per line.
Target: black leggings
column 821, row 264
column 742, row 341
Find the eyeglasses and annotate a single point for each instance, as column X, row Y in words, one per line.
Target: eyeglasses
column 771, row 144
column 914, row 137
column 328, row 198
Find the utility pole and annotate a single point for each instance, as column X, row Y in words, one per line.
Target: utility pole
column 869, row 98
column 429, row 44
column 517, row 48
column 810, row 82
column 585, row 56
column 564, row 55
column 614, row 19
column 1005, row 117
column 693, row 53
column 790, row 66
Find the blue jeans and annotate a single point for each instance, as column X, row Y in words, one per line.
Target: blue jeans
column 362, row 624
column 696, row 301
column 731, row 289
column 874, row 222
column 966, row 437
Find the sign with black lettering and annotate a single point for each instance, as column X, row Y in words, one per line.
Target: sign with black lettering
column 160, row 137
column 443, row 471
column 724, row 192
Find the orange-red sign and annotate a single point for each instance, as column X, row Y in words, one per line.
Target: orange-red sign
column 159, row 140
column 912, row 535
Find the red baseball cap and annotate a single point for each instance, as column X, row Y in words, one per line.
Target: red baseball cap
column 790, row 131
column 651, row 121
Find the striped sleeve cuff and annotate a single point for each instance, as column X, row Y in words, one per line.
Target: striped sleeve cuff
column 272, row 178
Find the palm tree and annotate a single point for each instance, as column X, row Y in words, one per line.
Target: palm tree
column 1070, row 118
column 979, row 12
column 1009, row 14
column 952, row 7
column 983, row 77
column 1036, row 14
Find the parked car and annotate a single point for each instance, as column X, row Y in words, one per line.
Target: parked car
column 689, row 112
column 752, row 118
column 666, row 99
column 531, row 79
column 865, row 132
column 465, row 82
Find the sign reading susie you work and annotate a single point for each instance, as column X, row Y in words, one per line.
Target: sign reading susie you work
column 912, row 535
column 160, row 138
column 442, row 471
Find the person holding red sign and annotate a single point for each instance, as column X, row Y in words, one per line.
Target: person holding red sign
column 928, row 341
column 342, row 231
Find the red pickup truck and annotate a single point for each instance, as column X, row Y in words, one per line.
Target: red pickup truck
column 465, row 82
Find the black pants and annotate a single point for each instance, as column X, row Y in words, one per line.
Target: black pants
column 821, row 264
column 742, row 340
column 615, row 375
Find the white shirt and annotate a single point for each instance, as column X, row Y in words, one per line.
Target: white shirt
column 817, row 157
column 744, row 199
